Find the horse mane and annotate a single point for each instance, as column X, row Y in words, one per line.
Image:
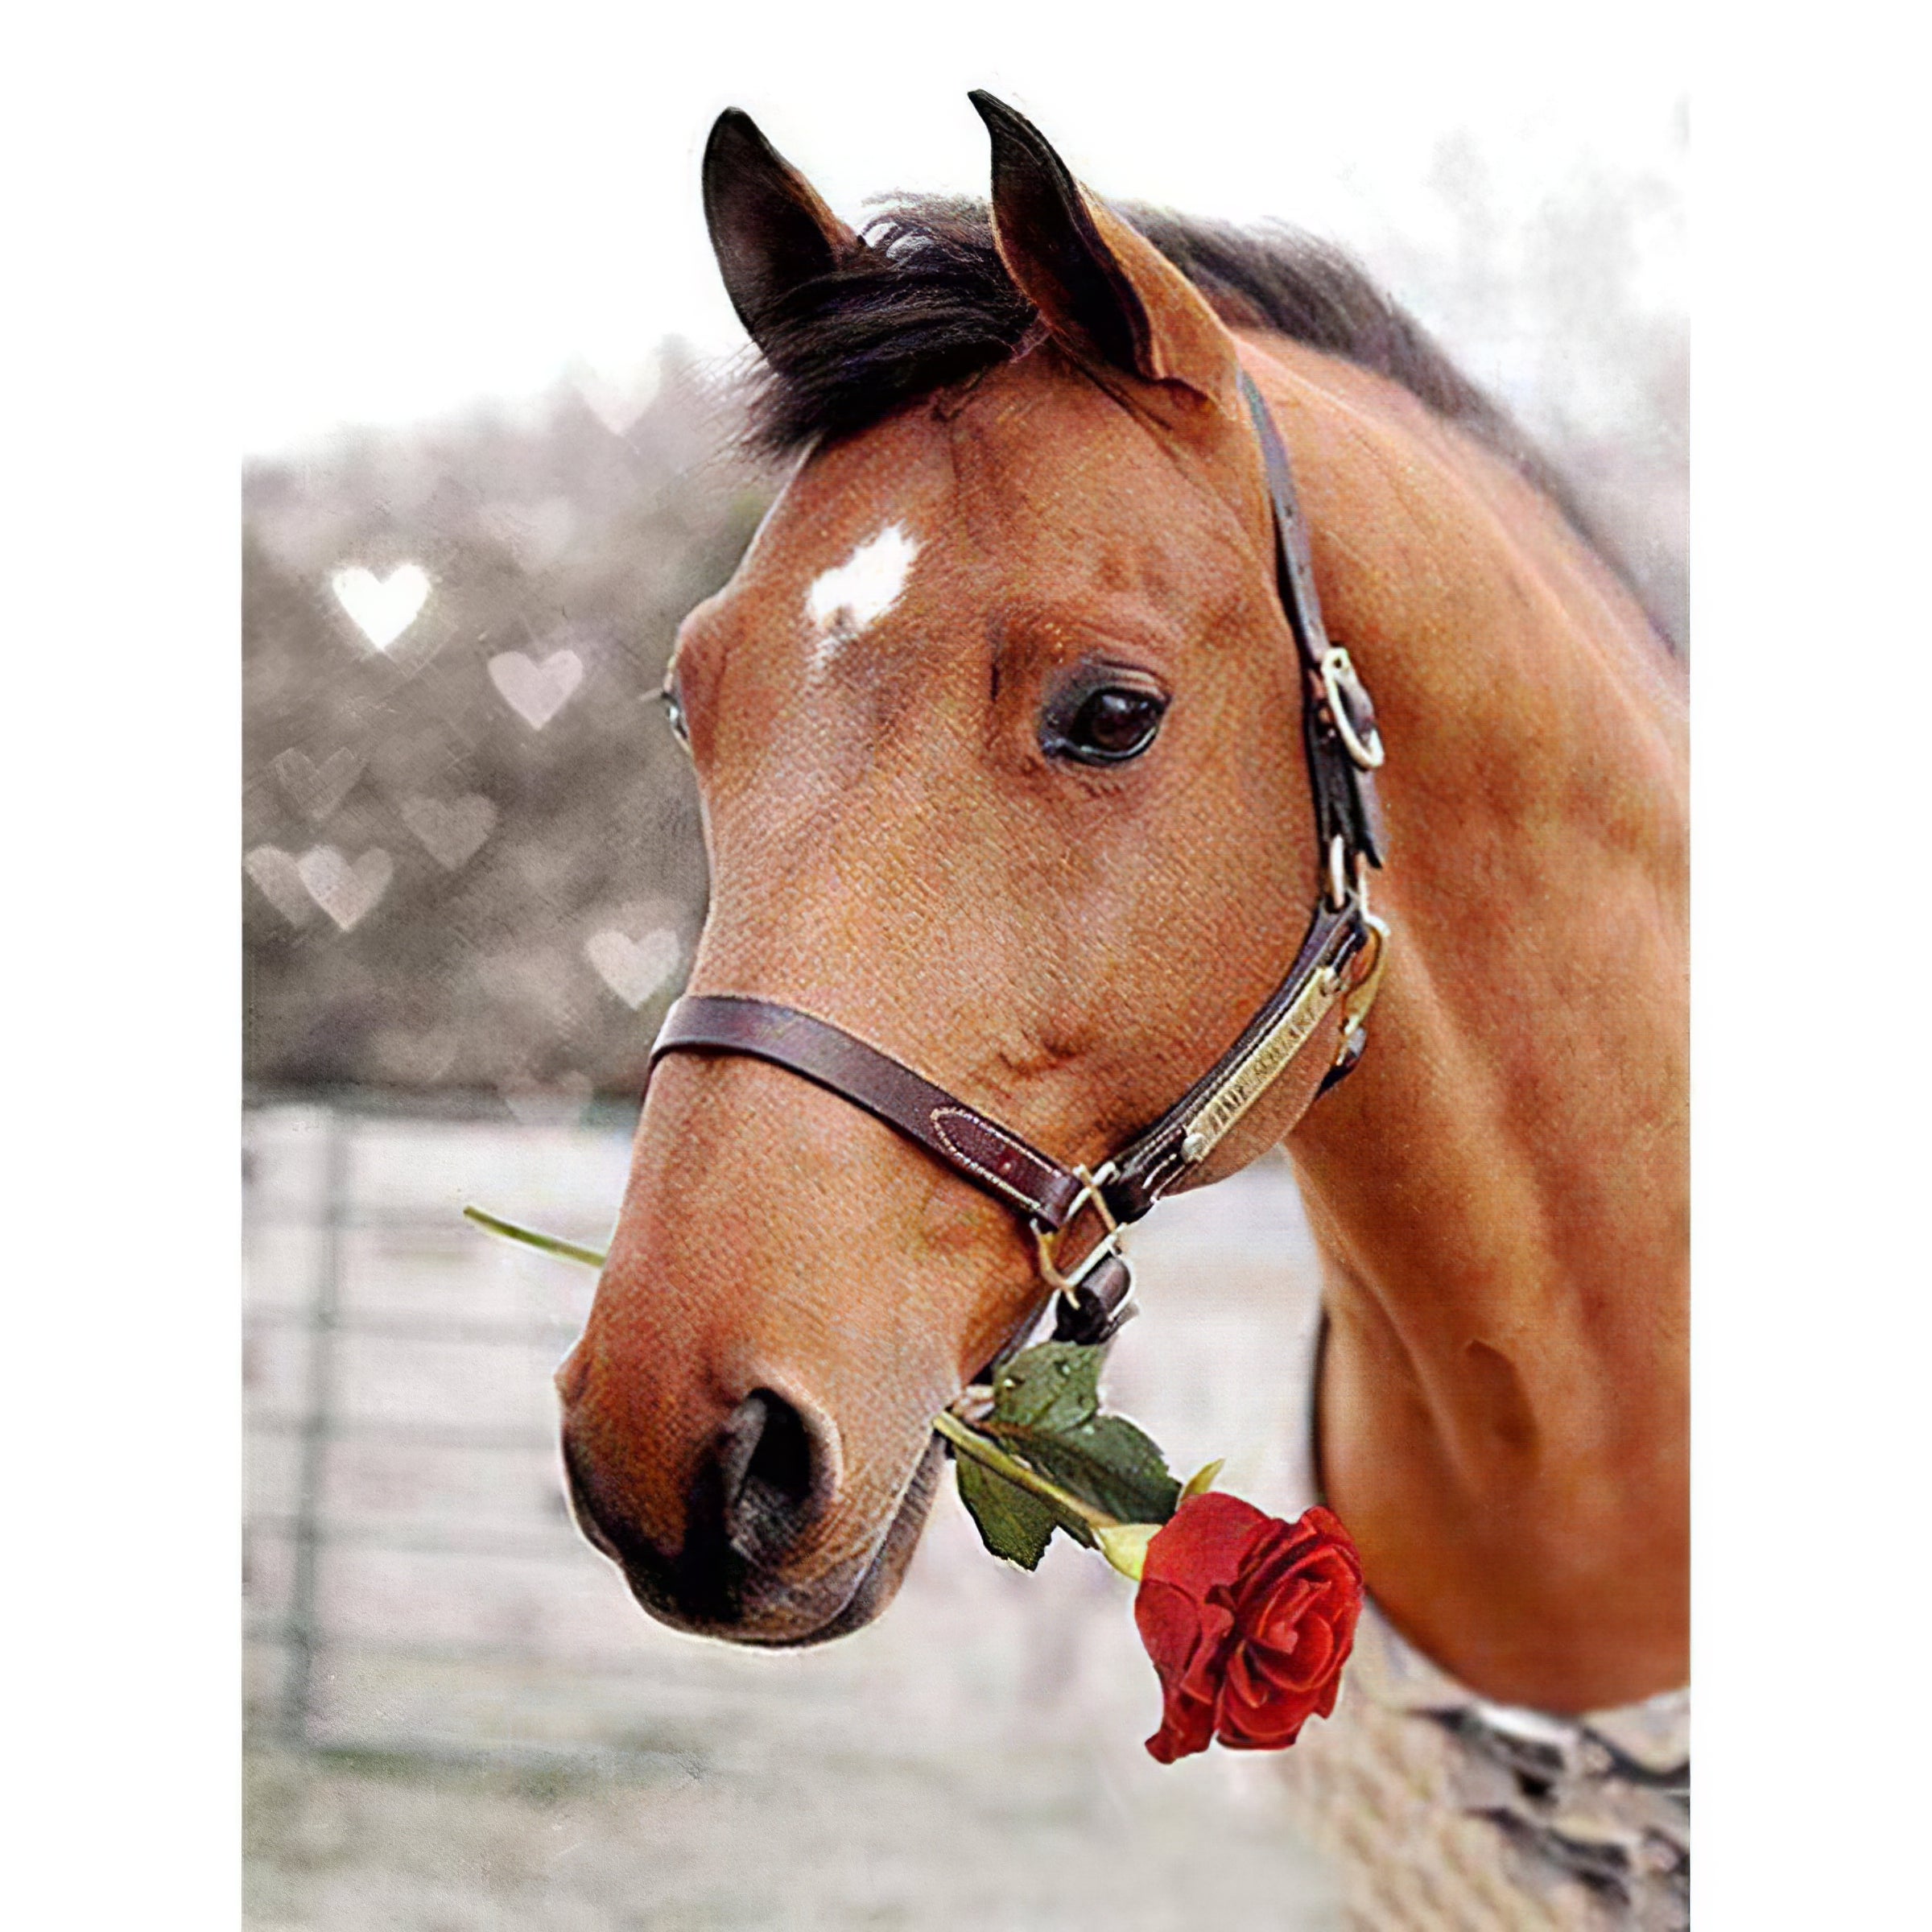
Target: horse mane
column 931, row 305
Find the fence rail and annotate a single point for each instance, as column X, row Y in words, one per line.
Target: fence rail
column 357, row 1358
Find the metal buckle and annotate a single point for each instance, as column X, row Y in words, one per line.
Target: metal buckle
column 1337, row 890
column 1358, row 1000
column 1339, row 684
column 1361, row 997
column 1047, row 1240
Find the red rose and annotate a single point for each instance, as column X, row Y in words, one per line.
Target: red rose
column 1249, row 1620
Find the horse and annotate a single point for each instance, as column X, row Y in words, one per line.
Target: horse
column 998, row 728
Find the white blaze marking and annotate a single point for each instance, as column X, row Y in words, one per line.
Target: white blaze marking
column 856, row 594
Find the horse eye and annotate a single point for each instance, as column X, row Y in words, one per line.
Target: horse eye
column 674, row 714
column 1105, row 727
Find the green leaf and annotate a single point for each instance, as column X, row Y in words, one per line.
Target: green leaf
column 1046, row 1410
column 1054, row 1387
column 1011, row 1523
column 1108, row 1462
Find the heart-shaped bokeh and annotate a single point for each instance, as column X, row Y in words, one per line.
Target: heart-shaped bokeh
column 316, row 789
column 536, row 693
column 452, row 830
column 347, row 891
column 278, row 879
column 634, row 969
column 382, row 608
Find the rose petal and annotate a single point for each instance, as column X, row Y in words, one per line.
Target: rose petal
column 1246, row 1687
column 1272, row 1730
column 1204, row 1543
column 1256, row 1712
column 1325, row 1524
column 1170, row 1625
column 1299, row 1548
column 1183, row 1642
column 1274, row 1562
column 1186, row 1727
column 1205, row 1667
column 1312, row 1655
column 1312, row 1558
column 1275, row 1622
column 1288, row 1670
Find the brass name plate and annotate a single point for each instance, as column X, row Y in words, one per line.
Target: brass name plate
column 1268, row 1056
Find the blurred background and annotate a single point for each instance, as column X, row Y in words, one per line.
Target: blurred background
column 488, row 398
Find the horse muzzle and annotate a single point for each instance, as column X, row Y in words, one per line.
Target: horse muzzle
column 753, row 1566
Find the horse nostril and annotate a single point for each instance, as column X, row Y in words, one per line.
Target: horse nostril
column 768, row 1473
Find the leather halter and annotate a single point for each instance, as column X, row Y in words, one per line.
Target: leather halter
column 1326, row 995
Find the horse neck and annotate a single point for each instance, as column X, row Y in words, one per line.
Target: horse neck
column 1500, row 1190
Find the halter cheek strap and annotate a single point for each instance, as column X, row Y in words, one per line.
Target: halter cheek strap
column 1324, row 998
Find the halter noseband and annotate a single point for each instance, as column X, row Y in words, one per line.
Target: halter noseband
column 1327, row 992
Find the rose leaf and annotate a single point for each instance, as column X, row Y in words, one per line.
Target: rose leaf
column 1012, row 1523
column 1053, row 1387
column 1106, row 1461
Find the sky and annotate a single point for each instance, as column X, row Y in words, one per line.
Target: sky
column 440, row 207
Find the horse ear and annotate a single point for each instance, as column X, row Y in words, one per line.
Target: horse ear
column 1107, row 294
column 769, row 229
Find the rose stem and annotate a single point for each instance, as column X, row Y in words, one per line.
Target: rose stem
column 548, row 1243
column 969, row 1442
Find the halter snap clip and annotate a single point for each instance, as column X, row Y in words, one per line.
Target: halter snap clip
column 1047, row 1240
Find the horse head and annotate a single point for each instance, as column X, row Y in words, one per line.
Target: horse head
column 996, row 729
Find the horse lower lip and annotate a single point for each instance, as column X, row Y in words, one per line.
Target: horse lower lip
column 853, row 1611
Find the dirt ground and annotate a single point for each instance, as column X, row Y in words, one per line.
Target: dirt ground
column 408, row 1845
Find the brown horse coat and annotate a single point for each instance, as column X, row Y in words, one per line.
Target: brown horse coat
column 1499, row 1190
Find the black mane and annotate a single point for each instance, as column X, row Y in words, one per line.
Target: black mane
column 932, row 305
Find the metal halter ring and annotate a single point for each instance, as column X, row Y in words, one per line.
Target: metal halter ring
column 1337, row 676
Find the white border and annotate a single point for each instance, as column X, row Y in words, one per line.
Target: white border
column 121, row 690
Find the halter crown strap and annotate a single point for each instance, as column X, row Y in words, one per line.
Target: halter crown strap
column 1335, row 701
column 1326, row 993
